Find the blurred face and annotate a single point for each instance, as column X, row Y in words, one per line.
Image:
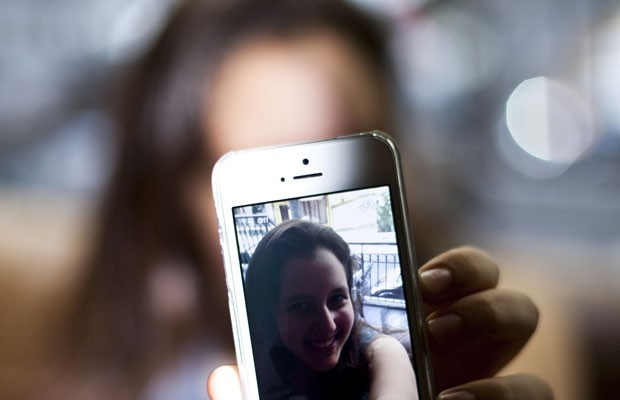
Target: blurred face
column 314, row 313
column 270, row 91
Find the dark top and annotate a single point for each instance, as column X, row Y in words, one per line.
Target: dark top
column 340, row 383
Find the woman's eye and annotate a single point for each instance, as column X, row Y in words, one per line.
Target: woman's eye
column 301, row 307
column 338, row 300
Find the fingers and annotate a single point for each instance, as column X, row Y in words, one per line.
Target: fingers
column 495, row 315
column 457, row 273
column 474, row 327
column 224, row 384
column 477, row 335
column 514, row 387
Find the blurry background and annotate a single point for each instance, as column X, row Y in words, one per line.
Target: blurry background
column 511, row 119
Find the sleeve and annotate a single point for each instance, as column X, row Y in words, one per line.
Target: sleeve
column 367, row 335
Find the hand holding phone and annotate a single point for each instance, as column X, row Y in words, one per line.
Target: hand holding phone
column 461, row 281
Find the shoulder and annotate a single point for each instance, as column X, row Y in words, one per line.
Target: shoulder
column 382, row 343
column 391, row 372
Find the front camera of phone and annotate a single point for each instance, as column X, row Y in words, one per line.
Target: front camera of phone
column 306, row 161
column 282, row 179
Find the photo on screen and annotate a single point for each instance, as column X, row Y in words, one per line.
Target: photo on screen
column 357, row 278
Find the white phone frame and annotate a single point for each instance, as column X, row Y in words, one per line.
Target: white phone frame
column 264, row 175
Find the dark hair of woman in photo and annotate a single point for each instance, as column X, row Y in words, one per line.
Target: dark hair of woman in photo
column 154, row 281
column 291, row 253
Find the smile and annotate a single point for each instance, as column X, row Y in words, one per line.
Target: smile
column 324, row 345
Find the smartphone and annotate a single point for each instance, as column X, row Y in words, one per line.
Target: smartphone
column 319, row 263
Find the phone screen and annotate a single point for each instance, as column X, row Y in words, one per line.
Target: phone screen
column 314, row 304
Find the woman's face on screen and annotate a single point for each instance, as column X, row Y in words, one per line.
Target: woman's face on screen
column 314, row 313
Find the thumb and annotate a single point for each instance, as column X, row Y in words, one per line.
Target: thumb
column 224, row 384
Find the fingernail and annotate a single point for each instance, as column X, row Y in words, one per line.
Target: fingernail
column 446, row 327
column 437, row 280
column 460, row 395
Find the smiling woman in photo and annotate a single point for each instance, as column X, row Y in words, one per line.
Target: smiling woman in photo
column 303, row 324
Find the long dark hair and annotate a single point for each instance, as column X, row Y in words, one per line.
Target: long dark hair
column 159, row 119
column 289, row 240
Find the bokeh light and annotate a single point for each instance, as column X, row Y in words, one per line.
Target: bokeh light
column 550, row 121
column 446, row 55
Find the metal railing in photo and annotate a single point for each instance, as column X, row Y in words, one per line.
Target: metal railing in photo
column 250, row 231
column 378, row 284
column 379, row 276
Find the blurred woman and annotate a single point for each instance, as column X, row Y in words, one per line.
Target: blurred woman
column 224, row 75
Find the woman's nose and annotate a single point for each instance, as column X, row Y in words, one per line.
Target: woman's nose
column 326, row 320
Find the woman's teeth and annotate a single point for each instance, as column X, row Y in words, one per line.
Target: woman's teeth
column 323, row 344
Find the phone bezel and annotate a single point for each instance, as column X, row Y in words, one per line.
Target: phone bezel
column 368, row 159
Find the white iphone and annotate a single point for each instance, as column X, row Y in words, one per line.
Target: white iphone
column 320, row 269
